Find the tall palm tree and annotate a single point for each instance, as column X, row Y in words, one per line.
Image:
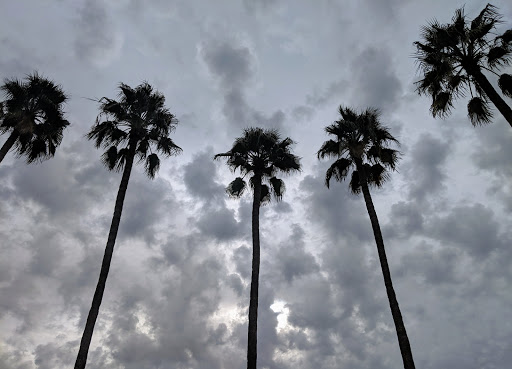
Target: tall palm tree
column 452, row 58
column 32, row 115
column 136, row 126
column 360, row 146
column 260, row 154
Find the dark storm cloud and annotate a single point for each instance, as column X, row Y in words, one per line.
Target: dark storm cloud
column 14, row 360
column 406, row 220
column 220, row 224
column 63, row 186
column 146, row 202
column 432, row 266
column 377, row 83
column 492, row 157
column 302, row 113
column 292, row 259
column 328, row 207
column 96, row 38
column 234, row 66
column 49, row 356
column 242, row 257
column 426, row 168
column 192, row 293
column 331, row 92
column 17, row 62
column 200, row 177
column 472, row 228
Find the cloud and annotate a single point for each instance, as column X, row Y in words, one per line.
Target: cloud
column 472, row 228
column 293, row 261
column 200, row 177
column 234, row 66
column 97, row 39
column 377, row 84
column 426, row 167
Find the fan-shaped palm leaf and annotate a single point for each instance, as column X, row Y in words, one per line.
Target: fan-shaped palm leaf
column 32, row 114
column 452, row 58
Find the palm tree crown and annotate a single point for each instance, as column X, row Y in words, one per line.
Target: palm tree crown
column 262, row 153
column 32, row 113
column 138, row 124
column 452, row 57
column 360, row 143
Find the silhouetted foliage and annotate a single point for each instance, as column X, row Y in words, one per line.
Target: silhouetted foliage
column 452, row 58
column 32, row 115
column 360, row 146
column 136, row 126
column 260, row 154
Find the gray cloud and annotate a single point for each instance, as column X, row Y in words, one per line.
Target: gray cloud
column 200, row 177
column 377, row 83
column 426, row 167
column 328, row 207
column 97, row 40
column 177, row 293
column 473, row 229
column 293, row 260
column 219, row 223
column 233, row 65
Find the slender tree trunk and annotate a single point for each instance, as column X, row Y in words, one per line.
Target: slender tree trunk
column 493, row 95
column 8, row 144
column 105, row 265
column 403, row 340
column 252, row 335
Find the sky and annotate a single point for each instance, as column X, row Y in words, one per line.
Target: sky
column 178, row 290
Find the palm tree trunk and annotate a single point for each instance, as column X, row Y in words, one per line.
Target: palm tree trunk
column 403, row 340
column 494, row 96
column 253, row 304
column 8, row 144
column 105, row 265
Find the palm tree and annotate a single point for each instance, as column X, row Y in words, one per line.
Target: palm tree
column 261, row 154
column 32, row 114
column 360, row 146
column 134, row 127
column 453, row 57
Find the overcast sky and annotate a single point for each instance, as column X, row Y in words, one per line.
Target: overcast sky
column 178, row 290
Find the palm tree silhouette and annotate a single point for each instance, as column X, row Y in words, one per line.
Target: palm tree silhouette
column 360, row 146
column 260, row 154
column 133, row 127
column 32, row 115
column 452, row 58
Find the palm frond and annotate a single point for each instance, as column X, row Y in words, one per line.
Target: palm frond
column 355, row 185
column 498, row 56
column 152, row 165
column 479, row 112
column 330, row 148
column 339, row 169
column 278, row 187
column 110, row 158
column 441, row 104
column 363, row 138
column 506, row 37
column 265, row 196
column 138, row 121
column 262, row 153
column 376, row 174
column 505, row 84
column 168, row 147
column 484, row 23
column 236, row 188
